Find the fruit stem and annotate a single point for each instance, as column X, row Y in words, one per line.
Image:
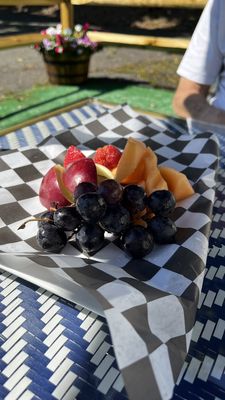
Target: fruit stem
column 33, row 220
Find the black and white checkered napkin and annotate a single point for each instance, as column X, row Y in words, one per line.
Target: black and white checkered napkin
column 149, row 304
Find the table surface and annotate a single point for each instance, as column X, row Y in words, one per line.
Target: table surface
column 51, row 349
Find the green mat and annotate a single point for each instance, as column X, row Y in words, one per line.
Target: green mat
column 44, row 99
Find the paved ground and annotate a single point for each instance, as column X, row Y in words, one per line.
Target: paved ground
column 23, row 68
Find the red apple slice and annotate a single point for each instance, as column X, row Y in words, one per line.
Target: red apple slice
column 50, row 194
column 59, row 175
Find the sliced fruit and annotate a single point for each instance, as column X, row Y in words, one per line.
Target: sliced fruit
column 154, row 181
column 149, row 153
column 140, row 222
column 177, row 183
column 104, row 172
column 139, row 174
column 142, row 184
column 153, row 178
column 113, row 171
column 131, row 157
column 50, row 193
column 59, row 170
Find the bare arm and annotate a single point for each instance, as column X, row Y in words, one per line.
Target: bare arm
column 190, row 101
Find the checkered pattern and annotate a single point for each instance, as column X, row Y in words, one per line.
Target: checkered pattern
column 150, row 305
column 34, row 134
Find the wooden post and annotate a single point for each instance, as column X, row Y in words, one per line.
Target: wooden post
column 66, row 14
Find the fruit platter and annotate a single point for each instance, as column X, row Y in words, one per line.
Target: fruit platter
column 124, row 194
column 120, row 227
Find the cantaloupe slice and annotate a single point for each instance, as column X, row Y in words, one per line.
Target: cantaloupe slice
column 177, row 183
column 142, row 184
column 113, row 171
column 154, row 181
column 131, row 156
column 139, row 174
column 149, row 153
column 138, row 165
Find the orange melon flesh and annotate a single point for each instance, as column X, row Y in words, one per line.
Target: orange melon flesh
column 177, row 183
column 132, row 155
column 153, row 179
column 139, row 173
column 142, row 184
column 151, row 155
column 113, row 171
column 138, row 165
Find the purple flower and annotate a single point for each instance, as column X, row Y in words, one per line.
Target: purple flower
column 48, row 45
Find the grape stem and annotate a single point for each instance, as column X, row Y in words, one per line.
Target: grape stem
column 33, row 220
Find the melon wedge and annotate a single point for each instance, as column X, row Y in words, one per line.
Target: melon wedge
column 177, row 183
column 139, row 174
column 149, row 153
column 136, row 176
column 142, row 184
column 154, row 180
column 132, row 155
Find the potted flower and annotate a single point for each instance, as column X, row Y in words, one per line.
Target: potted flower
column 67, row 54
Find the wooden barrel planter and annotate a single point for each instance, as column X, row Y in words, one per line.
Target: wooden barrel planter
column 67, row 68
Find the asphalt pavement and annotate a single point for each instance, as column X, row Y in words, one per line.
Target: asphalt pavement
column 22, row 68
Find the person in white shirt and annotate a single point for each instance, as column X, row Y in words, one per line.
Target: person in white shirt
column 202, row 66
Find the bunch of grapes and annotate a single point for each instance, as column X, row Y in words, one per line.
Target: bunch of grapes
column 127, row 212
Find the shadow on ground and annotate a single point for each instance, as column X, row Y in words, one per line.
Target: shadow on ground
column 49, row 98
column 143, row 78
column 100, row 86
column 138, row 20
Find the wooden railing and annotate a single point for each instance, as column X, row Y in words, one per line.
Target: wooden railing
column 140, row 40
column 143, row 3
column 66, row 17
column 28, row 2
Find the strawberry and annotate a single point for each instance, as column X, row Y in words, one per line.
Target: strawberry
column 72, row 154
column 108, row 156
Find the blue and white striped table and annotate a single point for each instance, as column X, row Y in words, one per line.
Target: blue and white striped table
column 50, row 349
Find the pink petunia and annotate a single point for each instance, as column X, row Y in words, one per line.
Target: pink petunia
column 86, row 26
column 59, row 50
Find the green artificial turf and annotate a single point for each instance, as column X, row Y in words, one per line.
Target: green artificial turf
column 43, row 99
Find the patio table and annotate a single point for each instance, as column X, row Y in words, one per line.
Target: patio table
column 51, row 348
